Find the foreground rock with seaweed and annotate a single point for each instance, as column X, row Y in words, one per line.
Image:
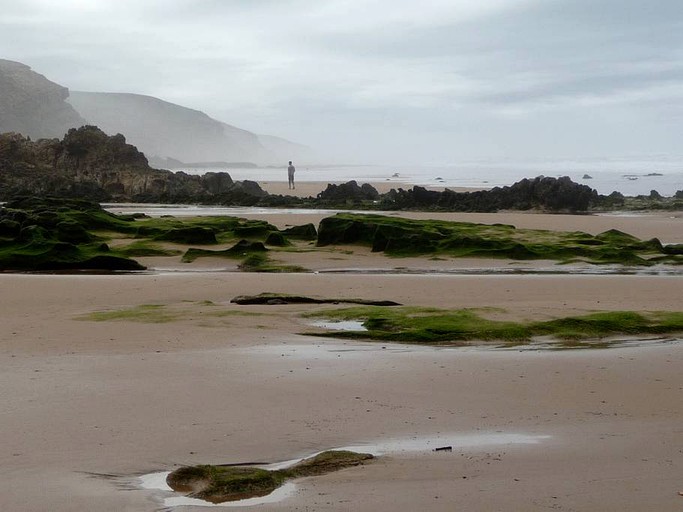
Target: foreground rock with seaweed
column 47, row 233
column 56, row 234
column 467, row 326
column 408, row 237
column 219, row 484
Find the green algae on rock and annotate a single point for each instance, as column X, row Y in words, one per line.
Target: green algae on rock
column 48, row 234
column 408, row 237
column 218, row 484
column 463, row 326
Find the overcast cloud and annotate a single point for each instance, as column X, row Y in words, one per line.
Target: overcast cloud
column 435, row 81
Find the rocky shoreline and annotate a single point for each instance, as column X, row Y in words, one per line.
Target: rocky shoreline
column 89, row 164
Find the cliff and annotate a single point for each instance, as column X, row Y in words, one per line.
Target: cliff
column 168, row 131
column 33, row 105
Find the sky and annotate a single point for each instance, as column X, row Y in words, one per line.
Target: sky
column 384, row 81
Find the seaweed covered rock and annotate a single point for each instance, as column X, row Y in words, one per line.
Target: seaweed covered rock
column 303, row 232
column 673, row 249
column 254, row 228
column 219, row 484
column 245, row 246
column 276, row 239
column 347, row 229
column 189, row 235
column 55, row 234
column 239, row 250
column 402, row 237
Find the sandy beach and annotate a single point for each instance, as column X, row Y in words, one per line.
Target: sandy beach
column 87, row 407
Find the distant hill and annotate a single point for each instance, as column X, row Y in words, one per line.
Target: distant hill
column 173, row 132
column 33, row 105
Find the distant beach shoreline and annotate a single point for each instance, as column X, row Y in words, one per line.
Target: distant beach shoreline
column 628, row 178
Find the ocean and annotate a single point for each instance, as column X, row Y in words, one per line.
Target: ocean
column 630, row 177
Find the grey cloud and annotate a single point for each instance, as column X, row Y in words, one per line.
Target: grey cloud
column 358, row 76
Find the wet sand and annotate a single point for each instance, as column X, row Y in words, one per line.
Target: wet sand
column 86, row 406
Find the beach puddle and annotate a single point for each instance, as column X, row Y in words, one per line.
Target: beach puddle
column 658, row 270
column 342, row 325
column 435, row 445
column 605, row 343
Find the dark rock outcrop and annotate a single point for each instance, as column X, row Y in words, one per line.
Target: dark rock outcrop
column 349, row 192
column 541, row 193
column 33, row 105
column 302, row 232
column 87, row 163
column 276, row 299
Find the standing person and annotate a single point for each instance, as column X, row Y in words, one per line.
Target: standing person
column 290, row 175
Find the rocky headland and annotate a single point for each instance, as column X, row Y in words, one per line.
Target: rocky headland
column 89, row 164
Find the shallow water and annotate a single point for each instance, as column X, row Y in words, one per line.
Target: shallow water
column 193, row 210
column 344, row 325
column 658, row 270
column 605, row 343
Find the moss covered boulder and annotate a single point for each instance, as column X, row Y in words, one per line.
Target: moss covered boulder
column 46, row 233
column 188, row 235
column 218, row 484
column 302, row 232
column 407, row 237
